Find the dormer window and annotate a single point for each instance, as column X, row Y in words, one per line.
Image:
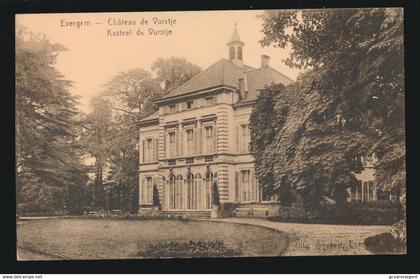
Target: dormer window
column 189, row 104
column 210, row 100
column 171, row 108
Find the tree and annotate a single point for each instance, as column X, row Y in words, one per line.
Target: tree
column 156, row 201
column 215, row 200
column 131, row 95
column 263, row 128
column 97, row 142
column 173, row 72
column 357, row 55
column 349, row 103
column 48, row 165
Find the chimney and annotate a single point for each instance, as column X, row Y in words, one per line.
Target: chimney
column 265, row 61
column 242, row 88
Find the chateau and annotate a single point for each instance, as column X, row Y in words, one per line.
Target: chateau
column 200, row 135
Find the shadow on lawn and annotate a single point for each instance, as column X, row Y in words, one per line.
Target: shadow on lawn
column 385, row 243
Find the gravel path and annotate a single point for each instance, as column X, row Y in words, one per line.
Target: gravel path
column 316, row 239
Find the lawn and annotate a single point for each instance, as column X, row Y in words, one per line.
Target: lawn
column 122, row 239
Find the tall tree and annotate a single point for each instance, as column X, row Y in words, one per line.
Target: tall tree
column 99, row 130
column 130, row 95
column 133, row 93
column 47, row 158
column 350, row 104
column 173, row 72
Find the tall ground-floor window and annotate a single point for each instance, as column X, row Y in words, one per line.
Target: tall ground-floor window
column 171, row 192
column 194, row 192
column 190, row 191
column 149, row 190
column 364, row 191
column 246, row 187
column 208, row 181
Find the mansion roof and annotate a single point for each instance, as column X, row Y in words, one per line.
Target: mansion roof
column 232, row 75
column 225, row 73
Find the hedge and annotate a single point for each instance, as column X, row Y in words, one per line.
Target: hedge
column 374, row 213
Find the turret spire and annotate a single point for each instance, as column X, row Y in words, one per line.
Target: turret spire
column 235, row 47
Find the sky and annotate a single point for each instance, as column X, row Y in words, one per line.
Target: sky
column 94, row 57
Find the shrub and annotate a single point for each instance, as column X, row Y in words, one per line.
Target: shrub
column 384, row 243
column 399, row 230
column 156, row 201
column 215, row 194
column 196, row 249
column 377, row 213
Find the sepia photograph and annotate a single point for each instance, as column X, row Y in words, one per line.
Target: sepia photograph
column 210, row 134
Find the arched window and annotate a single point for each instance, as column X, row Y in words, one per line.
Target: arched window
column 208, row 181
column 232, row 53
column 191, row 191
column 178, row 192
column 171, row 191
column 198, row 185
column 239, row 53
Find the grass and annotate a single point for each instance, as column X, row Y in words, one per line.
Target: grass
column 122, row 239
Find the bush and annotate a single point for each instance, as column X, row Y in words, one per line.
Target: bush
column 190, row 249
column 384, row 243
column 156, row 201
column 215, row 194
column 376, row 213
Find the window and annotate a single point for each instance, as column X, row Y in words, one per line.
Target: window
column 371, row 191
column 208, row 138
column 171, row 144
column 189, row 104
column 190, row 142
column 245, row 185
column 149, row 150
column 244, row 138
column 365, row 191
column 171, row 108
column 209, row 101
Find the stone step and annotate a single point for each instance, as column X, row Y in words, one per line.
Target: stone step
column 189, row 214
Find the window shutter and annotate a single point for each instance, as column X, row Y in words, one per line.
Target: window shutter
column 238, row 149
column 164, row 144
column 200, row 140
column 143, row 191
column 253, row 190
column 214, row 136
column 176, row 143
column 155, row 149
column 181, row 143
column 195, row 141
column 144, row 151
column 154, row 183
column 236, row 186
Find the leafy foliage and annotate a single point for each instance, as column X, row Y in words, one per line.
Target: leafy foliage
column 112, row 136
column 173, row 72
column 156, row 201
column 48, row 163
column 215, row 199
column 350, row 102
column 190, row 249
